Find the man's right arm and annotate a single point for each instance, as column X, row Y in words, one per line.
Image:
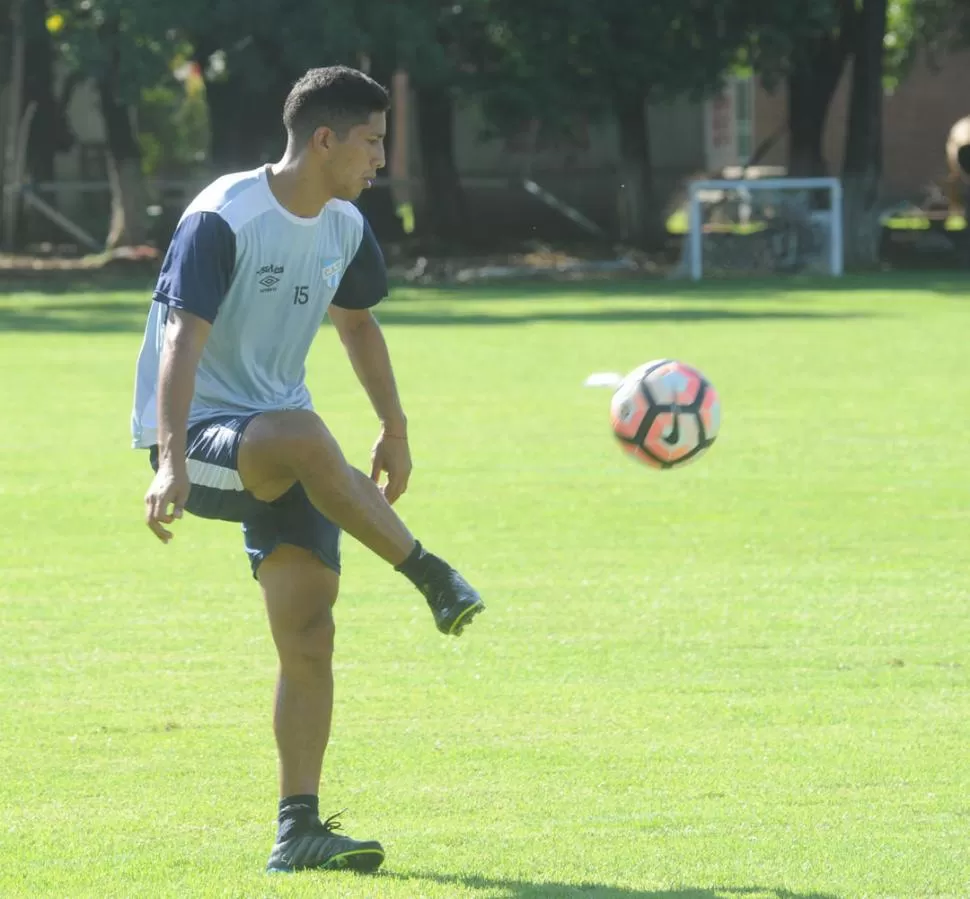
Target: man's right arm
column 193, row 281
column 195, row 276
column 185, row 337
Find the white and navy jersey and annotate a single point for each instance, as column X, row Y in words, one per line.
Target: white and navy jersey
column 264, row 278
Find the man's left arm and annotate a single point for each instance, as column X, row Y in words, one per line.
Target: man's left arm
column 364, row 342
column 365, row 345
column 363, row 285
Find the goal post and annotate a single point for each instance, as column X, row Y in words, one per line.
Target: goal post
column 752, row 226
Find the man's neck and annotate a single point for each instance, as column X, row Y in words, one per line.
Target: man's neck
column 295, row 190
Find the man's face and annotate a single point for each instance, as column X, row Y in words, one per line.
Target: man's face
column 352, row 163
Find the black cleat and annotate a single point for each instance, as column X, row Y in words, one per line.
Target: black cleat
column 321, row 848
column 452, row 599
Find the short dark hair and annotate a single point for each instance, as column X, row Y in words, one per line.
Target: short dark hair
column 337, row 97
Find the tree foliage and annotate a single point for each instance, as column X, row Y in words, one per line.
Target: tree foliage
column 520, row 61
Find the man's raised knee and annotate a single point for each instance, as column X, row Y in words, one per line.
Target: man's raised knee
column 278, row 448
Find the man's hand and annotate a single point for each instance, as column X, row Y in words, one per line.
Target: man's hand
column 392, row 455
column 166, row 499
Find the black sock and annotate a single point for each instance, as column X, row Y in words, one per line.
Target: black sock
column 297, row 813
column 415, row 566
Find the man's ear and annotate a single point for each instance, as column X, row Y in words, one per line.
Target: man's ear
column 323, row 138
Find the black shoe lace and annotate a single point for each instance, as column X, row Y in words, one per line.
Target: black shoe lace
column 332, row 824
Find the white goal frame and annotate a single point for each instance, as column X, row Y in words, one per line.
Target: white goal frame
column 696, row 233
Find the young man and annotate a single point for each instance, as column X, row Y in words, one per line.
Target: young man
column 221, row 404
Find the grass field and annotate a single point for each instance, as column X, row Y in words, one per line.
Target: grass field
column 743, row 680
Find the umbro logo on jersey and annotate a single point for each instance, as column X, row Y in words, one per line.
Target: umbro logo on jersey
column 268, row 277
column 332, row 269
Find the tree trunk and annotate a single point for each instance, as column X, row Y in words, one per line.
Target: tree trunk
column 226, row 103
column 811, row 86
column 246, row 125
column 129, row 215
column 639, row 215
column 444, row 199
column 234, row 142
column 863, row 150
column 49, row 134
column 10, row 199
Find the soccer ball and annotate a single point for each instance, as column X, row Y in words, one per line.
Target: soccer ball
column 665, row 414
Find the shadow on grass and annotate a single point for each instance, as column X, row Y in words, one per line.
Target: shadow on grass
column 521, row 889
column 82, row 307
column 89, row 316
column 81, row 316
column 727, row 289
column 60, row 283
column 454, row 316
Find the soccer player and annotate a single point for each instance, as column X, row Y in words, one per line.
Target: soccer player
column 221, row 404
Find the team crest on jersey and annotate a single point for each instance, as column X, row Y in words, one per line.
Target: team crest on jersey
column 332, row 269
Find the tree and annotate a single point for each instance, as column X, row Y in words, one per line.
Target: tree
column 810, row 43
column 888, row 37
column 806, row 44
column 11, row 121
column 129, row 197
column 49, row 133
column 440, row 45
column 612, row 58
column 123, row 46
column 249, row 67
column 248, row 70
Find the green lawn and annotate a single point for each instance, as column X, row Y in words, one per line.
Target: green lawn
column 744, row 680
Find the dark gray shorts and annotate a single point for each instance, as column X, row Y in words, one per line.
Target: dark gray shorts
column 217, row 492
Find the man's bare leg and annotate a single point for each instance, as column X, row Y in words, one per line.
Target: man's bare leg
column 299, row 592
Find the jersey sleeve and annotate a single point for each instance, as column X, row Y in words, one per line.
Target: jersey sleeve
column 198, row 265
column 364, row 283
